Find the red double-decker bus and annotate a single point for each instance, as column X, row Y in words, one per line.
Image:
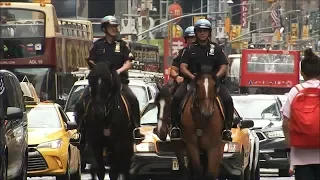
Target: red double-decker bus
column 35, row 44
column 268, row 71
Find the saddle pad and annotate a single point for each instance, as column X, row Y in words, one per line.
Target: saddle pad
column 220, row 104
column 126, row 104
column 185, row 99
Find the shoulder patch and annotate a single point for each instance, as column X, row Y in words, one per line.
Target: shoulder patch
column 2, row 88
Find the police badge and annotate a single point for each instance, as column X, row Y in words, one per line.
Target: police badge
column 211, row 52
column 117, row 49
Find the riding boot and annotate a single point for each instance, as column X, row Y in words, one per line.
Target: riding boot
column 136, row 122
column 229, row 111
column 175, row 133
column 136, row 132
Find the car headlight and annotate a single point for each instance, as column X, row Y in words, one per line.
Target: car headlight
column 56, row 144
column 232, row 147
column 275, row 134
column 145, row 147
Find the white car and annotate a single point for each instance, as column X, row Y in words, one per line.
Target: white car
column 141, row 89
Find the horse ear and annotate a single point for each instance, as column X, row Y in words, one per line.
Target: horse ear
column 159, row 85
column 171, row 87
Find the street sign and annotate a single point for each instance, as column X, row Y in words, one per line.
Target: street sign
column 196, row 18
column 244, row 13
column 177, row 44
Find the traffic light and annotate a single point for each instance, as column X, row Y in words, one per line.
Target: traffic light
column 233, row 34
column 294, row 32
column 293, row 39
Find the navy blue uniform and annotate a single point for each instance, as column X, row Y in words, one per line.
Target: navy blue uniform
column 210, row 55
column 116, row 53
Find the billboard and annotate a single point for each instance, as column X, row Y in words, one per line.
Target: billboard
column 272, row 68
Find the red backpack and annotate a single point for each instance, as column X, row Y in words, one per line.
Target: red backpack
column 304, row 125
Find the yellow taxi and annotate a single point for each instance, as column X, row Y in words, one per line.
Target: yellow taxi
column 50, row 145
column 154, row 157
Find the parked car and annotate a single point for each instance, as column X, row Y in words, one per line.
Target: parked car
column 13, row 129
column 154, row 157
column 140, row 88
column 265, row 111
column 51, row 150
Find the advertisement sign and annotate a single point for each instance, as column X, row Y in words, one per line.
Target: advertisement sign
column 177, row 44
column 273, row 68
column 244, row 13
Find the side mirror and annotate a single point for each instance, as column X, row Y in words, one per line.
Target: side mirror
column 151, row 105
column 267, row 116
column 71, row 125
column 14, row 113
column 246, row 124
column 61, row 102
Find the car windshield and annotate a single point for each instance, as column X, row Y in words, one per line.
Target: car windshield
column 75, row 95
column 141, row 94
column 150, row 117
column 76, row 92
column 254, row 108
column 43, row 117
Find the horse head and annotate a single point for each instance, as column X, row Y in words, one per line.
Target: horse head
column 206, row 88
column 163, row 101
column 103, row 81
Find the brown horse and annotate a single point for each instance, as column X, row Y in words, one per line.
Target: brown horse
column 163, row 101
column 202, row 125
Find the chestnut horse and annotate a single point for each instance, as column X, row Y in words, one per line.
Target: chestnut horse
column 202, row 124
column 163, row 101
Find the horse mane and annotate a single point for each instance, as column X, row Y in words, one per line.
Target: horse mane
column 165, row 91
column 102, row 69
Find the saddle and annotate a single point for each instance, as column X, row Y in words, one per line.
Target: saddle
column 191, row 93
column 126, row 104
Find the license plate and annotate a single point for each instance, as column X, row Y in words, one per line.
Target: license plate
column 175, row 165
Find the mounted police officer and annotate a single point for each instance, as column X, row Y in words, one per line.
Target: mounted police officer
column 189, row 38
column 204, row 52
column 116, row 52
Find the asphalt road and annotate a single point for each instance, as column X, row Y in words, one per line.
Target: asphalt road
column 267, row 175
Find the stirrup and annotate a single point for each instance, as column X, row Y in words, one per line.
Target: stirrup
column 134, row 135
column 179, row 133
column 226, row 141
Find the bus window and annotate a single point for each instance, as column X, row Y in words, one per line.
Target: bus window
column 20, row 31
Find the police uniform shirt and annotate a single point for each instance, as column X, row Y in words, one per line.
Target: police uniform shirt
column 116, row 53
column 210, row 54
column 177, row 59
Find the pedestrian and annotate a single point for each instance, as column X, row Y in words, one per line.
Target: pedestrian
column 301, row 120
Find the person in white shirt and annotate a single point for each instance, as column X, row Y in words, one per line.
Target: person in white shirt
column 306, row 162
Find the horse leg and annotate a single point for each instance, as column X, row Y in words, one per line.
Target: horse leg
column 214, row 160
column 98, row 154
column 183, row 170
column 194, row 155
column 113, row 173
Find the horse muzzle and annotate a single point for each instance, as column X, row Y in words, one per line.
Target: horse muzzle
column 207, row 114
